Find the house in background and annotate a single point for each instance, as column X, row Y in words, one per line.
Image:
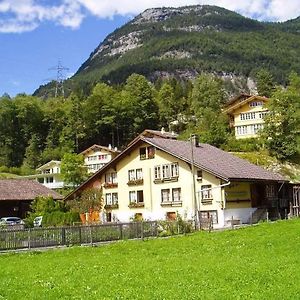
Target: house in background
column 17, row 194
column 96, row 156
column 246, row 115
column 48, row 175
column 156, row 178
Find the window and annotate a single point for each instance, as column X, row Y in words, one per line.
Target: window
column 206, row 192
column 270, row 191
column 147, row 152
column 111, row 177
column 111, row 198
column 108, row 217
column 131, row 175
column 241, row 130
column 262, row 114
column 166, row 171
column 49, row 179
column 139, row 174
column 140, row 196
column 108, row 199
column 157, row 172
column 199, row 175
column 174, row 170
column 213, row 214
column 102, row 156
column 247, row 116
column 171, row 216
column 136, row 197
column 176, row 195
column 255, row 103
column 132, row 197
column 143, row 153
column 114, row 198
column 165, row 195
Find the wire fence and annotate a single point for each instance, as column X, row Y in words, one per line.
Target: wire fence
column 13, row 239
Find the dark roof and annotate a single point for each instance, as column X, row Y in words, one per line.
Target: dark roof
column 95, row 147
column 22, row 189
column 213, row 160
column 239, row 97
column 161, row 133
column 206, row 157
column 241, row 100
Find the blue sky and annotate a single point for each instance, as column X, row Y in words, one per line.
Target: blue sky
column 36, row 34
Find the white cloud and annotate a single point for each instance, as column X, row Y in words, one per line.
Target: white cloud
column 26, row 15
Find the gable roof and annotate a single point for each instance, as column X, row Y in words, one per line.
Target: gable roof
column 48, row 164
column 22, row 189
column 206, row 157
column 99, row 147
column 240, row 101
column 215, row 161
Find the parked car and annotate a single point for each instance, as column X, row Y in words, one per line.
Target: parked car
column 11, row 221
column 37, row 222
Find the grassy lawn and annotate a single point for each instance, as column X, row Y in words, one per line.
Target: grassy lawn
column 261, row 262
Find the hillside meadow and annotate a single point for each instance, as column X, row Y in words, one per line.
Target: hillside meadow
column 259, row 262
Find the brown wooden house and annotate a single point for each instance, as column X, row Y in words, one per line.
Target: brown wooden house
column 17, row 194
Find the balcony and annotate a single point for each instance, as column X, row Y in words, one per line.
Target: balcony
column 207, row 201
column 136, row 205
column 135, row 182
column 110, row 185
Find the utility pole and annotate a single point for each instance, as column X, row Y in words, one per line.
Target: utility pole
column 59, row 88
column 193, row 141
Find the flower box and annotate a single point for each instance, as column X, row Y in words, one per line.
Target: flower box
column 110, row 185
column 111, row 206
column 136, row 205
column 135, row 182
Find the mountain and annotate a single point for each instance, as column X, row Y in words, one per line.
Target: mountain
column 186, row 41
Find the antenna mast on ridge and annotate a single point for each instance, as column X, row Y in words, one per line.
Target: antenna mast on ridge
column 59, row 88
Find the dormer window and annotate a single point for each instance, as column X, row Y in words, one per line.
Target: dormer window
column 147, row 152
column 256, row 103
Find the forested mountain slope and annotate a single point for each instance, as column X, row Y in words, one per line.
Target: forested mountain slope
column 187, row 41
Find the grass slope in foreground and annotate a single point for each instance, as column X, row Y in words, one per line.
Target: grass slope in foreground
column 260, row 262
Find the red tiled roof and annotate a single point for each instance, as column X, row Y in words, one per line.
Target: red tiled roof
column 213, row 160
column 22, row 189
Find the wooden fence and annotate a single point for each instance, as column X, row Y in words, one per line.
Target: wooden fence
column 13, row 239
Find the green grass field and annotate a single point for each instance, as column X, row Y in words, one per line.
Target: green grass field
column 259, row 262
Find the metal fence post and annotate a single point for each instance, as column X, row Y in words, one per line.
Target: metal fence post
column 63, row 236
column 142, row 230
column 80, row 238
column 121, row 231
column 29, row 238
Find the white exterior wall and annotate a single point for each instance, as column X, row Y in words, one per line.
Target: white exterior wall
column 152, row 191
column 96, row 161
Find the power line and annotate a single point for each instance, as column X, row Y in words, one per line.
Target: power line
column 60, row 78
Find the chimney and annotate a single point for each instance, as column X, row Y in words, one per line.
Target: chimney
column 195, row 140
column 116, row 149
column 162, row 130
column 109, row 147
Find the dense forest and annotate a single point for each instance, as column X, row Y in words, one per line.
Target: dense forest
column 186, row 42
column 34, row 130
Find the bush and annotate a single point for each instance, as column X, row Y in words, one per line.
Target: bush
column 59, row 218
column 243, row 145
